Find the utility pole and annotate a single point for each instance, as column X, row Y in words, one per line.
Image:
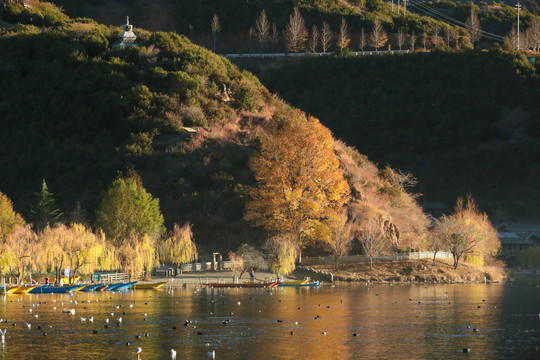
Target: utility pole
column 393, row 6
column 405, row 7
column 518, row 7
column 398, row 7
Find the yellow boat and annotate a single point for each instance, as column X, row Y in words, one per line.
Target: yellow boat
column 149, row 286
column 65, row 280
column 23, row 289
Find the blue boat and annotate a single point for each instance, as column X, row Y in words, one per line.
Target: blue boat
column 310, row 283
column 121, row 286
column 91, row 287
column 48, row 289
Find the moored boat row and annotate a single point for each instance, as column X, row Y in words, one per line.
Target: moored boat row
column 87, row 287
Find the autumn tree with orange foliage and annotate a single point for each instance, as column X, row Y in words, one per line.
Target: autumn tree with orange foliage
column 299, row 181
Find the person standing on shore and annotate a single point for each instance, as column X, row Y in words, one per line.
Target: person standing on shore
column 251, row 274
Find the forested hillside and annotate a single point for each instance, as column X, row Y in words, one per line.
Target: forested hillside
column 238, row 31
column 83, row 121
column 461, row 122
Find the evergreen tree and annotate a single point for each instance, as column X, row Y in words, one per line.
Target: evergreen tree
column 45, row 211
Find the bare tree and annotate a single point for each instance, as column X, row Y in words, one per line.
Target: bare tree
column 511, row 38
column 148, row 55
column 262, row 29
column 274, row 37
column 473, row 26
column 295, row 32
column 412, row 40
column 424, row 38
column 363, row 39
column 340, row 236
column 343, row 37
column 378, row 35
column 314, row 39
column 372, row 240
column 216, row 28
column 459, row 236
column 435, row 37
column 251, row 35
column 450, row 35
column 400, row 37
column 237, row 265
column 532, row 36
column 326, row 36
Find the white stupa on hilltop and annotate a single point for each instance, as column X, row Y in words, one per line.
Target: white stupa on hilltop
column 127, row 38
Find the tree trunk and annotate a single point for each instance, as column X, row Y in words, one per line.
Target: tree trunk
column 434, row 255
column 456, row 262
column 370, row 263
column 336, row 259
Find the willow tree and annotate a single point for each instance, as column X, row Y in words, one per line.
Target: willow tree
column 84, row 250
column 20, row 248
column 179, row 247
column 53, row 245
column 299, row 180
column 128, row 210
column 281, row 254
column 137, row 256
column 9, row 219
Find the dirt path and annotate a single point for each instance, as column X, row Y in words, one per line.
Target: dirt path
column 202, row 277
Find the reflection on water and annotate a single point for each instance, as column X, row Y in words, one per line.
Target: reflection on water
column 494, row 321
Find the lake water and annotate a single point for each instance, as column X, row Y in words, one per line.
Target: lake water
column 391, row 322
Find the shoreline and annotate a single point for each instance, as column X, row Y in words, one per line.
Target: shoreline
column 406, row 272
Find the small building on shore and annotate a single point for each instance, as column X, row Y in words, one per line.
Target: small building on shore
column 516, row 238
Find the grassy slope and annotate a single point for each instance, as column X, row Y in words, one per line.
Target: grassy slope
column 460, row 122
column 415, row 271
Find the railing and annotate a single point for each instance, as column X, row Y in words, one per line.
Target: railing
column 110, row 277
column 290, row 55
column 327, row 260
column 204, row 266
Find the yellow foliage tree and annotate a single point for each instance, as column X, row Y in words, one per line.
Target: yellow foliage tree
column 281, row 254
column 53, row 248
column 467, row 233
column 299, row 180
column 9, row 219
column 83, row 251
column 20, row 250
column 179, row 247
column 137, row 257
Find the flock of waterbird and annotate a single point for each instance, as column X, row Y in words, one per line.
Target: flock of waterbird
column 112, row 318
